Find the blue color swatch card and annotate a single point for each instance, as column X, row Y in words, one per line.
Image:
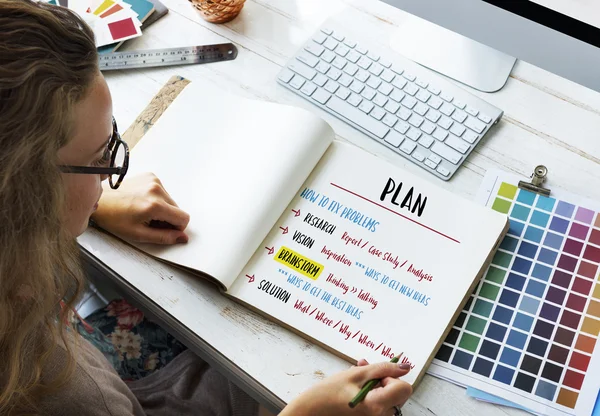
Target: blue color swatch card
column 528, row 333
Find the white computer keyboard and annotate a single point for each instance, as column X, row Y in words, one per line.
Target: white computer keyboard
column 426, row 119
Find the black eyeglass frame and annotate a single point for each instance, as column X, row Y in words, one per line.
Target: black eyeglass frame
column 115, row 141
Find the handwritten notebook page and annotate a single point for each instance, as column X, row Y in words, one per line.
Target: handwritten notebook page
column 369, row 277
column 233, row 164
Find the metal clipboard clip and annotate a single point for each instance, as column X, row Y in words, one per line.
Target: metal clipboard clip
column 538, row 177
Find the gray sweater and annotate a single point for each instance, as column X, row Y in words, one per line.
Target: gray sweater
column 186, row 386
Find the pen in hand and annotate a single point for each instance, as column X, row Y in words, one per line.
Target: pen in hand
column 369, row 385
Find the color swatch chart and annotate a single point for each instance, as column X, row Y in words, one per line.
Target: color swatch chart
column 529, row 330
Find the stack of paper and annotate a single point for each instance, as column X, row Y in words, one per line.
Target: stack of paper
column 112, row 21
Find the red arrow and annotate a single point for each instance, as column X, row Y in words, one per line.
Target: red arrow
column 270, row 250
column 296, row 212
column 285, row 230
column 250, row 278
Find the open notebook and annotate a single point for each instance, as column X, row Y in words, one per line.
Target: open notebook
column 351, row 252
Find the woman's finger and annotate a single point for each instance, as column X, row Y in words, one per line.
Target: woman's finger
column 391, row 393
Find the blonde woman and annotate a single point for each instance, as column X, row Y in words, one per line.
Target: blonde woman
column 58, row 143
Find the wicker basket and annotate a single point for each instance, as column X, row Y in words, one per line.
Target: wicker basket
column 218, row 11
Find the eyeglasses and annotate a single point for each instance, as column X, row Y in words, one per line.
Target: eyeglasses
column 118, row 152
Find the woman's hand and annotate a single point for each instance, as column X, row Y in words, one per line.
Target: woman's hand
column 140, row 210
column 331, row 396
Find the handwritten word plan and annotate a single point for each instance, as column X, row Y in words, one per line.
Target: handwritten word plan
column 369, row 261
column 529, row 331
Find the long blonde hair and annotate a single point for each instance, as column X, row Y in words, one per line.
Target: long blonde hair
column 47, row 62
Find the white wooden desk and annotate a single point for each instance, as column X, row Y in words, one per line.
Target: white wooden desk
column 547, row 120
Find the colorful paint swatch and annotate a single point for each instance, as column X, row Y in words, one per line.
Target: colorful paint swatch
column 533, row 323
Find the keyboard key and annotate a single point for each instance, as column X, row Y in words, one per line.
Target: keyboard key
column 350, row 69
column 343, row 93
column 404, row 113
column 319, row 37
column 338, row 36
column 433, row 116
column 314, row 48
column 457, row 129
column 472, row 111
column 399, row 82
column 358, row 117
column 387, row 75
column 350, row 43
column 380, row 99
column 286, row 75
column 443, row 171
column 377, row 113
column 474, row 124
column 426, row 141
column 353, row 56
column 385, row 88
column 447, row 109
column 459, row 104
column 354, row 99
column 411, row 89
column 374, row 82
column 384, row 62
column 457, row 144
column 326, row 30
column 389, row 120
column 470, row 136
column 334, row 73
column 339, row 62
column 434, row 158
column 308, row 59
column 445, row 151
column 409, row 102
column 418, row 156
column 357, row 86
column 408, row 146
column 331, row 44
column 435, row 102
column 376, row 69
column 445, row 122
column 373, row 56
column 364, row 62
column 331, row 86
column 392, row 106
column 322, row 67
column 413, row 134
column 394, row 138
column 368, row 93
column 342, row 50
column 440, row 134
column 360, row 49
column 485, row 118
column 409, row 76
column 300, row 68
column 422, row 83
column 362, row 75
column 423, row 95
column 459, row 116
column 402, row 127
column 398, row 70
column 366, row 106
column 321, row 96
column 328, row 56
column 428, row 127
column 421, row 109
column 447, row 97
column 434, row 90
column 397, row 95
column 429, row 163
column 308, row 88
column 297, row 82
column 345, row 80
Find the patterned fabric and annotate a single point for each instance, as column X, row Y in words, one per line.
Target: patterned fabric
column 135, row 346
